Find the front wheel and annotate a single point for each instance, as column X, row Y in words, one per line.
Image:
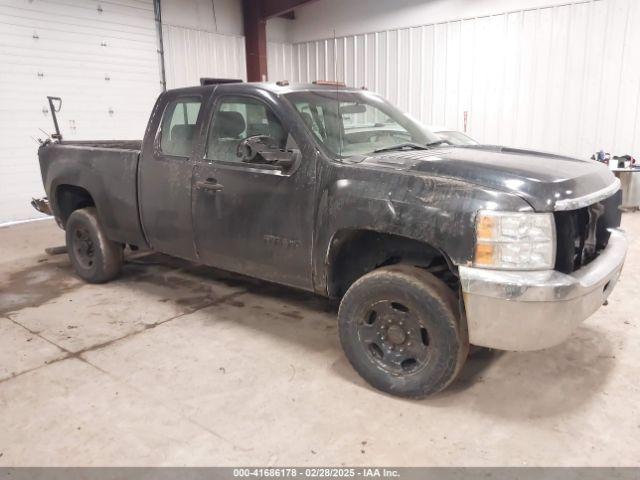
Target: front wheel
column 401, row 330
column 94, row 257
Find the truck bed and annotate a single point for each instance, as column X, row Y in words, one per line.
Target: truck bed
column 115, row 144
column 107, row 170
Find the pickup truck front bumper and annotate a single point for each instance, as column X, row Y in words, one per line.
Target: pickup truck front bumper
column 533, row 310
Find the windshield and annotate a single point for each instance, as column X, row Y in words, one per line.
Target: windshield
column 357, row 123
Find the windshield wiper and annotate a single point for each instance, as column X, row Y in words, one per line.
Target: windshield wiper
column 402, row 146
column 435, row 144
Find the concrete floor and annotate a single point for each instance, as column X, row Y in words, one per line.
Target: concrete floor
column 175, row 364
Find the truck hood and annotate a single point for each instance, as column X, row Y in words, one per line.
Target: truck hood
column 547, row 182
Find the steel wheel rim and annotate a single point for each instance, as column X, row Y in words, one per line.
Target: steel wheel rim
column 83, row 247
column 394, row 337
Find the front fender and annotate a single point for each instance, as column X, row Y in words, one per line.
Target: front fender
column 438, row 211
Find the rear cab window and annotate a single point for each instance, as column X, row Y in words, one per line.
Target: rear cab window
column 178, row 127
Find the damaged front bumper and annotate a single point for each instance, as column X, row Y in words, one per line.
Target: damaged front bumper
column 533, row 310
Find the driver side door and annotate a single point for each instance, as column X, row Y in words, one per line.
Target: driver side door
column 253, row 218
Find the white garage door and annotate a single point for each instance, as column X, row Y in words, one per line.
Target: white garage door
column 99, row 56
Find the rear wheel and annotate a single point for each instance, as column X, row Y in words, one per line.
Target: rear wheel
column 401, row 330
column 94, row 257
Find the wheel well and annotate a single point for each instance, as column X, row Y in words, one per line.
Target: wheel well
column 354, row 253
column 70, row 198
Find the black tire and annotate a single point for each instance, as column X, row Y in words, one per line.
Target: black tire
column 401, row 330
column 94, row 257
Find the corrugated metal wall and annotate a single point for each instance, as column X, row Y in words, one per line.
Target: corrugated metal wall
column 563, row 78
column 281, row 62
column 191, row 54
column 100, row 57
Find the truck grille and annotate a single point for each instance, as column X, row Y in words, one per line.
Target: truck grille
column 582, row 234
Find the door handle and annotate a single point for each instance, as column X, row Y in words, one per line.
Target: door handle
column 210, row 184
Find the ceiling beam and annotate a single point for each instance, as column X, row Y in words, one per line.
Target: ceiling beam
column 291, row 15
column 276, row 8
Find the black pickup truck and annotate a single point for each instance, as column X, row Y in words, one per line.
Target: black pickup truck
column 333, row 190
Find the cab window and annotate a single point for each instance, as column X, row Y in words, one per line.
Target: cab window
column 237, row 118
column 179, row 126
column 313, row 117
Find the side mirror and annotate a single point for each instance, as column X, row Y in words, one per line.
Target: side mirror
column 263, row 150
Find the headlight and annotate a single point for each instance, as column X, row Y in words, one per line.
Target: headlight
column 515, row 241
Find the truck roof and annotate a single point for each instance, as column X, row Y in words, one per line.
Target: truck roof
column 269, row 86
